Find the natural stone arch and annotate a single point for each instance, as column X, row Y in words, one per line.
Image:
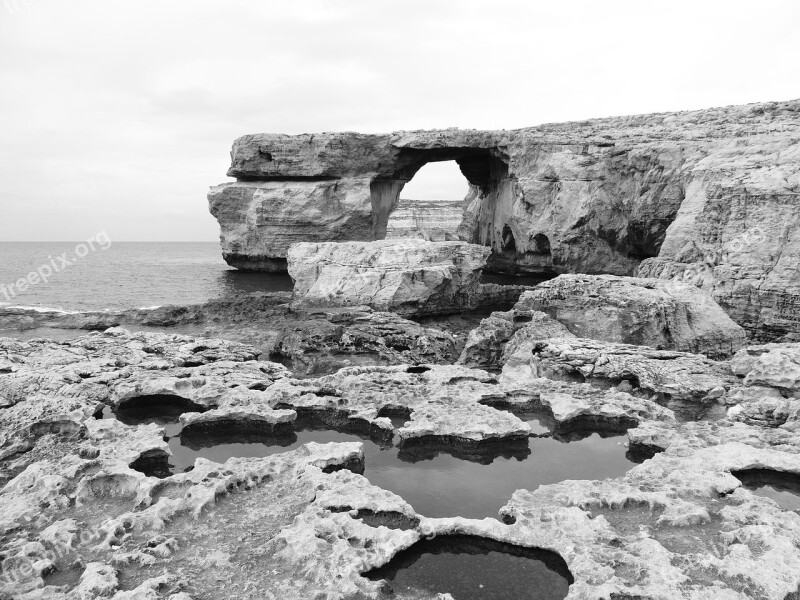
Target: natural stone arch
column 434, row 217
column 482, row 167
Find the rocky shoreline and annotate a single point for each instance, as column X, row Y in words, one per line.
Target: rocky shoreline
column 681, row 524
column 289, row 408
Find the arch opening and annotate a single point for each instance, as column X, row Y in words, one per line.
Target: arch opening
column 430, row 205
column 483, row 168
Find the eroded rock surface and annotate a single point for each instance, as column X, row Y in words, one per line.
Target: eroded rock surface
column 311, row 342
column 647, row 312
column 709, row 196
column 404, row 276
column 499, row 335
column 690, row 384
column 79, row 520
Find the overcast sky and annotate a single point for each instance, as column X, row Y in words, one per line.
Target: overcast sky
column 117, row 115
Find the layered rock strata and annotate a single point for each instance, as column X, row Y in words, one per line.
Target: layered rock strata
column 432, row 220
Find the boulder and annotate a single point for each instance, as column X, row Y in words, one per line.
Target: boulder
column 409, row 277
column 630, row 310
column 499, row 335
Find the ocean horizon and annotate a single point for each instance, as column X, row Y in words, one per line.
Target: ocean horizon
column 73, row 276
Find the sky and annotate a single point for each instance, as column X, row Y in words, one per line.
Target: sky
column 117, row 116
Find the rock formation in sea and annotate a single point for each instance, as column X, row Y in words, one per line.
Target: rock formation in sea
column 707, row 196
column 404, row 276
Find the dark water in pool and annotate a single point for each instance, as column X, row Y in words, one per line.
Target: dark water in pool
column 125, row 275
column 783, row 488
column 473, row 568
column 436, row 481
column 505, row 279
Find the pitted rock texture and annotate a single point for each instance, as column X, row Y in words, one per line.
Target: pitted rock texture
column 677, row 526
column 404, row 276
column 78, row 522
column 771, row 365
column 646, row 312
column 662, row 374
column 444, row 404
column 708, row 195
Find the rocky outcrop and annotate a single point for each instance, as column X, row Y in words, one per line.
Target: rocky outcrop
column 487, row 344
column 648, row 312
column 312, row 342
column 432, row 220
column 444, row 404
column 662, row 374
column 262, row 219
column 404, row 276
column 709, row 195
column 772, row 365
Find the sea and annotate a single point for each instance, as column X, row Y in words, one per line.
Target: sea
column 74, row 276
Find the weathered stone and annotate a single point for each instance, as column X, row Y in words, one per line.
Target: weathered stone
column 258, row 418
column 485, row 343
column 260, row 220
column 768, row 411
column 665, row 373
column 501, row 333
column 646, row 312
column 773, row 365
column 709, row 193
column 312, row 342
column 577, row 407
column 539, row 327
column 405, row 276
column 444, row 404
column 680, row 525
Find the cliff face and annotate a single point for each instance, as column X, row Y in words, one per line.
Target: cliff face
column 710, row 196
column 432, row 220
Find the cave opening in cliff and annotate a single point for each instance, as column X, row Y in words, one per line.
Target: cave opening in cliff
column 430, row 205
column 508, row 243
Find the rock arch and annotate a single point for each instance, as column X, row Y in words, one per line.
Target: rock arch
column 620, row 195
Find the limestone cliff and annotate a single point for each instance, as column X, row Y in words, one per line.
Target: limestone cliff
column 432, row 220
column 710, row 195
